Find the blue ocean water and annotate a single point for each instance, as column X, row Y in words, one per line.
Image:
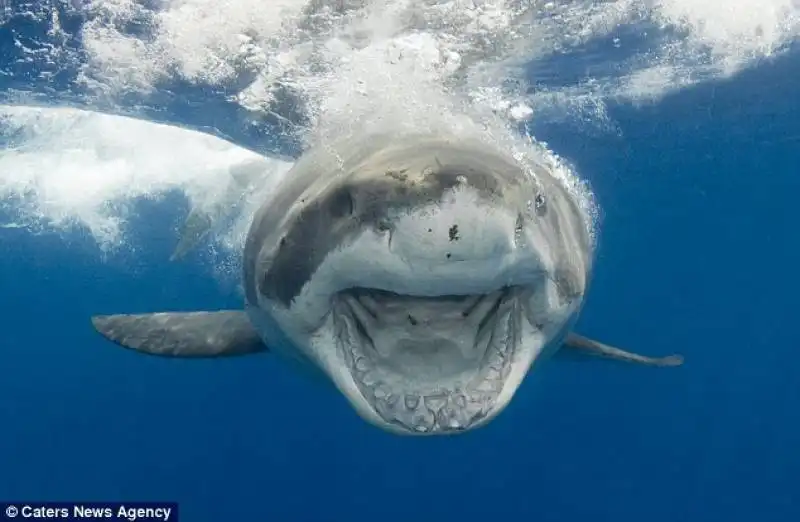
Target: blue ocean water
column 698, row 255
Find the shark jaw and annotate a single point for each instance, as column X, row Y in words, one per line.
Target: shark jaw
column 427, row 365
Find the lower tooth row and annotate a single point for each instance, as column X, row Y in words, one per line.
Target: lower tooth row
column 447, row 410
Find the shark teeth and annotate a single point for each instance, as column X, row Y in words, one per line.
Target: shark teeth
column 443, row 406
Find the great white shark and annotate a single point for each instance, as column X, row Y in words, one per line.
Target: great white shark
column 422, row 275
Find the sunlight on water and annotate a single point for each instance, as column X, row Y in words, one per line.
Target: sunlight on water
column 352, row 66
column 64, row 166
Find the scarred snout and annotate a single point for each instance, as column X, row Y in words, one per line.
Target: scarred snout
column 463, row 228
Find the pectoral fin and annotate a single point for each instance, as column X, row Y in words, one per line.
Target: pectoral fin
column 183, row 334
column 578, row 342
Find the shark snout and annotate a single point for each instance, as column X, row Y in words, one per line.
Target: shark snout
column 471, row 232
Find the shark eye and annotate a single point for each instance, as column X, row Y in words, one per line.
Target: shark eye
column 383, row 225
column 540, row 205
column 341, row 204
column 265, row 284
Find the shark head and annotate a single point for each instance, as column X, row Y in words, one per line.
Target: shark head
column 423, row 276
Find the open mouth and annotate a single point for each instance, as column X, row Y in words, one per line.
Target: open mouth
column 428, row 364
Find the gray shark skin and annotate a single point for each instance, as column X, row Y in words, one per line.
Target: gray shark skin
column 422, row 276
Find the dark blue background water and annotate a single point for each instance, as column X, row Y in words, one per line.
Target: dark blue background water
column 698, row 255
